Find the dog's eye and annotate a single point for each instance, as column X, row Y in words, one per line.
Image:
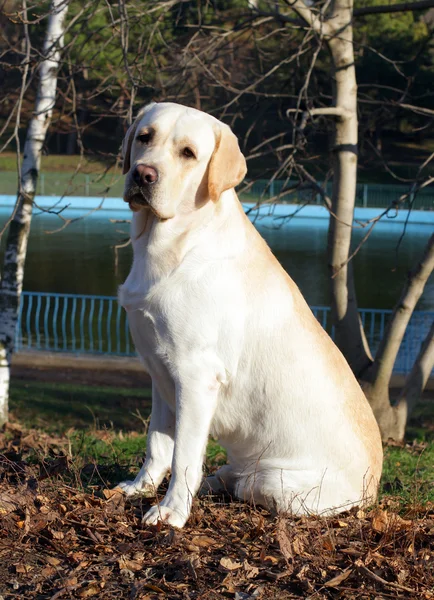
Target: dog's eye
column 144, row 138
column 188, row 153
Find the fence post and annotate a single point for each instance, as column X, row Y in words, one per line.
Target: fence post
column 87, row 185
column 42, row 188
column 272, row 189
column 365, row 195
column 318, row 196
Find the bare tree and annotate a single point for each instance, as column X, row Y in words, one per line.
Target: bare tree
column 333, row 21
column 19, row 226
column 376, row 381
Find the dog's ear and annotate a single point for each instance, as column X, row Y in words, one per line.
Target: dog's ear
column 129, row 137
column 227, row 167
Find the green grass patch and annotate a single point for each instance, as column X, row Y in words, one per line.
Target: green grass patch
column 57, row 407
column 408, row 473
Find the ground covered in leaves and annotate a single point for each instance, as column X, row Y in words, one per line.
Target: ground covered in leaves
column 65, row 534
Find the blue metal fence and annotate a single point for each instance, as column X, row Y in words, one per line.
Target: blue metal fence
column 368, row 195
column 73, row 323
column 98, row 325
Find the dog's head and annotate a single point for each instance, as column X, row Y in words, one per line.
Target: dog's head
column 178, row 158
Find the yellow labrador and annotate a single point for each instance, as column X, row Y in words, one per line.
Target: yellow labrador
column 231, row 345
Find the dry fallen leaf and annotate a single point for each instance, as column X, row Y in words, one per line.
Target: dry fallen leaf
column 48, row 571
column 327, row 542
column 250, row 570
column 22, row 568
column 130, row 565
column 385, row 521
column 338, row 579
column 284, row 541
column 202, row 541
column 154, row 588
column 57, row 535
column 114, row 492
column 298, row 545
column 91, row 590
column 70, row 581
column 230, row 565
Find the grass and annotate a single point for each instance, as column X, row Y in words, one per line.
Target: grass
column 57, row 163
column 57, row 407
column 408, row 473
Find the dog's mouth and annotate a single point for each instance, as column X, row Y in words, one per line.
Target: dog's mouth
column 137, row 200
column 136, row 203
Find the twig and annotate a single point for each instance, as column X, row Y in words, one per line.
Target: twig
column 379, row 579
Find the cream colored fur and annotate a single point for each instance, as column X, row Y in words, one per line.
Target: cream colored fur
column 232, row 347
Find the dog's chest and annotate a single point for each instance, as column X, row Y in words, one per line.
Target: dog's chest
column 158, row 315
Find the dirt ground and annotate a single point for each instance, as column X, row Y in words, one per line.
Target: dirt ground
column 111, row 371
column 60, row 368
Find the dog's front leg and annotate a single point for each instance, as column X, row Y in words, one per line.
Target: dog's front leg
column 196, row 401
column 159, row 450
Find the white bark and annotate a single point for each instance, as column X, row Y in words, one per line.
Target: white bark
column 350, row 336
column 337, row 32
column 19, row 229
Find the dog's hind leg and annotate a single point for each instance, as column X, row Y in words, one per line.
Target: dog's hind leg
column 159, row 450
column 223, row 481
column 297, row 492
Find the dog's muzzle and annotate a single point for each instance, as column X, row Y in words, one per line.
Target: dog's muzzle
column 139, row 193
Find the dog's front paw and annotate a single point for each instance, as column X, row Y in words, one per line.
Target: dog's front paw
column 134, row 489
column 166, row 515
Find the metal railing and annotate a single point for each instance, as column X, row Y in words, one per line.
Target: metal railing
column 368, row 195
column 73, row 323
column 86, row 324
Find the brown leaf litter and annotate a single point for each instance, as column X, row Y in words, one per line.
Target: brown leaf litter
column 59, row 540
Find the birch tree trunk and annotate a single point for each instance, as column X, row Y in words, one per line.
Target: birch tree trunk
column 350, row 335
column 336, row 28
column 19, row 228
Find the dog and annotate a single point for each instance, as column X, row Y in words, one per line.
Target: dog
column 232, row 348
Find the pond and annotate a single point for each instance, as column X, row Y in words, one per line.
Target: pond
column 80, row 259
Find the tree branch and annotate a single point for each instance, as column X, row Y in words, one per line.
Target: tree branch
column 313, row 19
column 416, row 380
column 391, row 8
column 391, row 342
column 331, row 111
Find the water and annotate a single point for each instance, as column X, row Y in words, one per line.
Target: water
column 80, row 259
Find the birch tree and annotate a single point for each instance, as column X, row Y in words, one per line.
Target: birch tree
column 19, row 226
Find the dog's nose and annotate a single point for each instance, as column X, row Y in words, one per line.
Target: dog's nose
column 144, row 175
